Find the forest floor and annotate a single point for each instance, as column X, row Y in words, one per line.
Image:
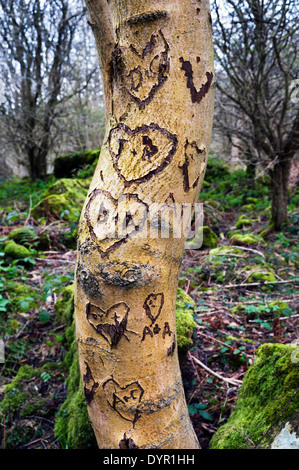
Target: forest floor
column 245, row 296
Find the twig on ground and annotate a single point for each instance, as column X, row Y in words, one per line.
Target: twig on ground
column 254, row 284
column 234, row 382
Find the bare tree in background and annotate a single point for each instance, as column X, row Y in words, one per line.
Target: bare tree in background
column 256, row 46
column 39, row 74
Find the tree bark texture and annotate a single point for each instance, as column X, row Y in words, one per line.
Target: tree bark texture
column 156, row 60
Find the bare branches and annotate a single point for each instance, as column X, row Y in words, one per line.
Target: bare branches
column 40, row 72
column 256, row 43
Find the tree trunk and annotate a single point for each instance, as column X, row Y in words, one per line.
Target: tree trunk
column 158, row 76
column 280, row 179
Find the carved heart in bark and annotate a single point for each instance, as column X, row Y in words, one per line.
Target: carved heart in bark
column 124, row 400
column 150, row 69
column 141, row 153
column 153, row 306
column 112, row 325
column 113, row 222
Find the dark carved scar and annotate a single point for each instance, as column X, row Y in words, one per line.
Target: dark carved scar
column 196, row 96
column 147, row 17
column 90, row 385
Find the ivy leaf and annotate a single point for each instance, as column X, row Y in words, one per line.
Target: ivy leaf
column 44, row 316
column 205, row 415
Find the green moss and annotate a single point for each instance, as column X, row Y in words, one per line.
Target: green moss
column 226, row 250
column 25, row 236
column 259, row 273
column 248, row 208
column 278, row 306
column 245, row 239
column 72, row 426
column 64, row 199
column 267, row 387
column 19, row 291
column 64, row 306
column 252, row 200
column 74, row 190
column 210, row 239
column 185, row 324
column 244, row 222
column 16, row 251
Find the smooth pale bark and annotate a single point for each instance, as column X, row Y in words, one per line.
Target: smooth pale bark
column 156, row 59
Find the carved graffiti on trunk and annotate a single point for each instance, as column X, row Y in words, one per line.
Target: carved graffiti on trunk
column 196, row 96
column 90, row 385
column 124, row 400
column 193, row 166
column 139, row 154
column 113, row 222
column 153, row 306
column 110, row 324
column 143, row 81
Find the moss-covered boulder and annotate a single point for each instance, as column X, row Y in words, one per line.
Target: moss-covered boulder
column 261, row 273
column 66, row 165
column 25, row 236
column 287, row 434
column 266, row 390
column 243, row 222
column 16, row 251
column 226, row 251
column 63, row 200
column 247, row 239
column 249, row 208
column 210, row 239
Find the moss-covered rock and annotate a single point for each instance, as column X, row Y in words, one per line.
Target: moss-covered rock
column 16, row 251
column 185, row 324
column 267, row 388
column 64, row 199
column 261, row 273
column 252, row 200
column 210, row 239
column 225, row 251
column 243, row 221
column 66, row 165
column 249, row 208
column 245, row 239
column 25, row 236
